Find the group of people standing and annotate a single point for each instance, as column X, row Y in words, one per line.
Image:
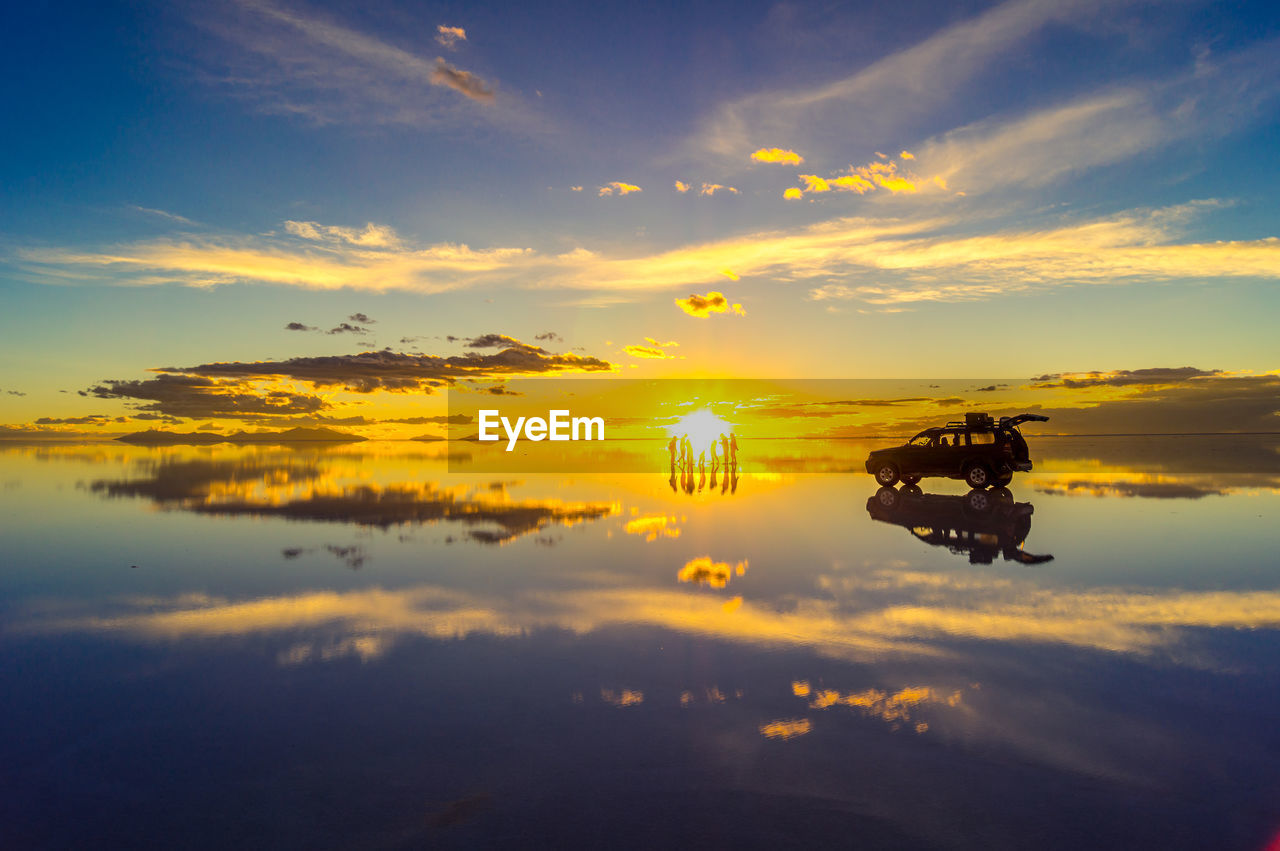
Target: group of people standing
column 724, row 454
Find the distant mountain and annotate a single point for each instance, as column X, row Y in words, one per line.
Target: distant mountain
column 157, row 437
column 427, row 438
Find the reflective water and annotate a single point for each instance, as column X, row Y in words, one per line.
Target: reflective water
column 310, row 647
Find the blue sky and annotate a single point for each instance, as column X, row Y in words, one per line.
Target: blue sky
column 967, row 189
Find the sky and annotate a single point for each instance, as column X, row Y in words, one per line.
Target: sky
column 361, row 204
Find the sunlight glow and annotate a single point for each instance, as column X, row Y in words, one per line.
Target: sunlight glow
column 702, row 427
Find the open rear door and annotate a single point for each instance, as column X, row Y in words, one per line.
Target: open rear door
column 1023, row 418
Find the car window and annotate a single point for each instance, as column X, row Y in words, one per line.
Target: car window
column 980, row 438
column 921, row 440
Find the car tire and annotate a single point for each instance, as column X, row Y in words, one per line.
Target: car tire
column 910, row 480
column 887, row 497
column 1002, row 493
column 887, row 474
column 1002, row 481
column 977, row 476
column 977, row 501
column 910, row 490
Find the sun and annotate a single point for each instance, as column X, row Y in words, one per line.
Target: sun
column 702, row 427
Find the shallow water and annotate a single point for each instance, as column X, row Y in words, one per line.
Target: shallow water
column 358, row 647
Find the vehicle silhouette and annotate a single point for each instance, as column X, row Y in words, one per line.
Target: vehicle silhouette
column 982, row 523
column 980, row 450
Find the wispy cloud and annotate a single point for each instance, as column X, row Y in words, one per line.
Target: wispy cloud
column 911, row 81
column 465, row 82
column 306, row 64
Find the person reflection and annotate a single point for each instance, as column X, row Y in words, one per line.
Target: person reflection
column 981, row 524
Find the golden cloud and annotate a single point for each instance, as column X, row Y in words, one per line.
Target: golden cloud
column 704, row 571
column 777, row 155
column 619, row 187
column 713, row 302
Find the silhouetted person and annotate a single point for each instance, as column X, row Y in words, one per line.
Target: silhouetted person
column 733, row 449
column 672, row 445
column 686, row 450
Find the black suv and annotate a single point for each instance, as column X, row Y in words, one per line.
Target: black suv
column 982, row 524
column 979, row 450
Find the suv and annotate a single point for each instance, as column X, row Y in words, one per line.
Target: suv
column 982, row 524
column 979, row 450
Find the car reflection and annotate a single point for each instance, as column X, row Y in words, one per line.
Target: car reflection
column 982, row 523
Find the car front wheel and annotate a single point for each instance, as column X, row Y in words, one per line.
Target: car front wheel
column 887, row 474
column 977, row 476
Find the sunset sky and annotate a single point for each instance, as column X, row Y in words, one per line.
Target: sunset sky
column 360, row 203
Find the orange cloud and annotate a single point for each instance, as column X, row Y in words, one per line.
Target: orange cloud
column 619, row 187
column 786, row 728
column 450, row 36
column 681, row 186
column 793, row 194
column 777, row 155
column 907, row 155
column 703, row 306
column 713, row 188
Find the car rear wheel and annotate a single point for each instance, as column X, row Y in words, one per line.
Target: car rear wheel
column 888, row 497
column 977, row 476
column 910, row 480
column 1001, row 481
column 977, row 501
column 887, row 474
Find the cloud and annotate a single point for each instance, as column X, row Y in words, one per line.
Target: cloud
column 450, row 36
column 652, row 352
column 681, row 186
column 1150, row 377
column 713, row 188
column 163, row 214
column 311, row 66
column 715, row 574
column 575, row 188
column 298, row 326
column 884, row 261
column 651, row 341
column 311, row 257
column 549, row 336
column 347, row 328
column 793, row 194
column 859, row 179
column 90, row 419
column 193, row 396
column 372, row 236
column 15, row 392
column 907, row 155
column 619, row 187
column 878, row 98
column 461, row 81
column 366, row 372
column 703, row 306
column 813, row 183
column 777, row 155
